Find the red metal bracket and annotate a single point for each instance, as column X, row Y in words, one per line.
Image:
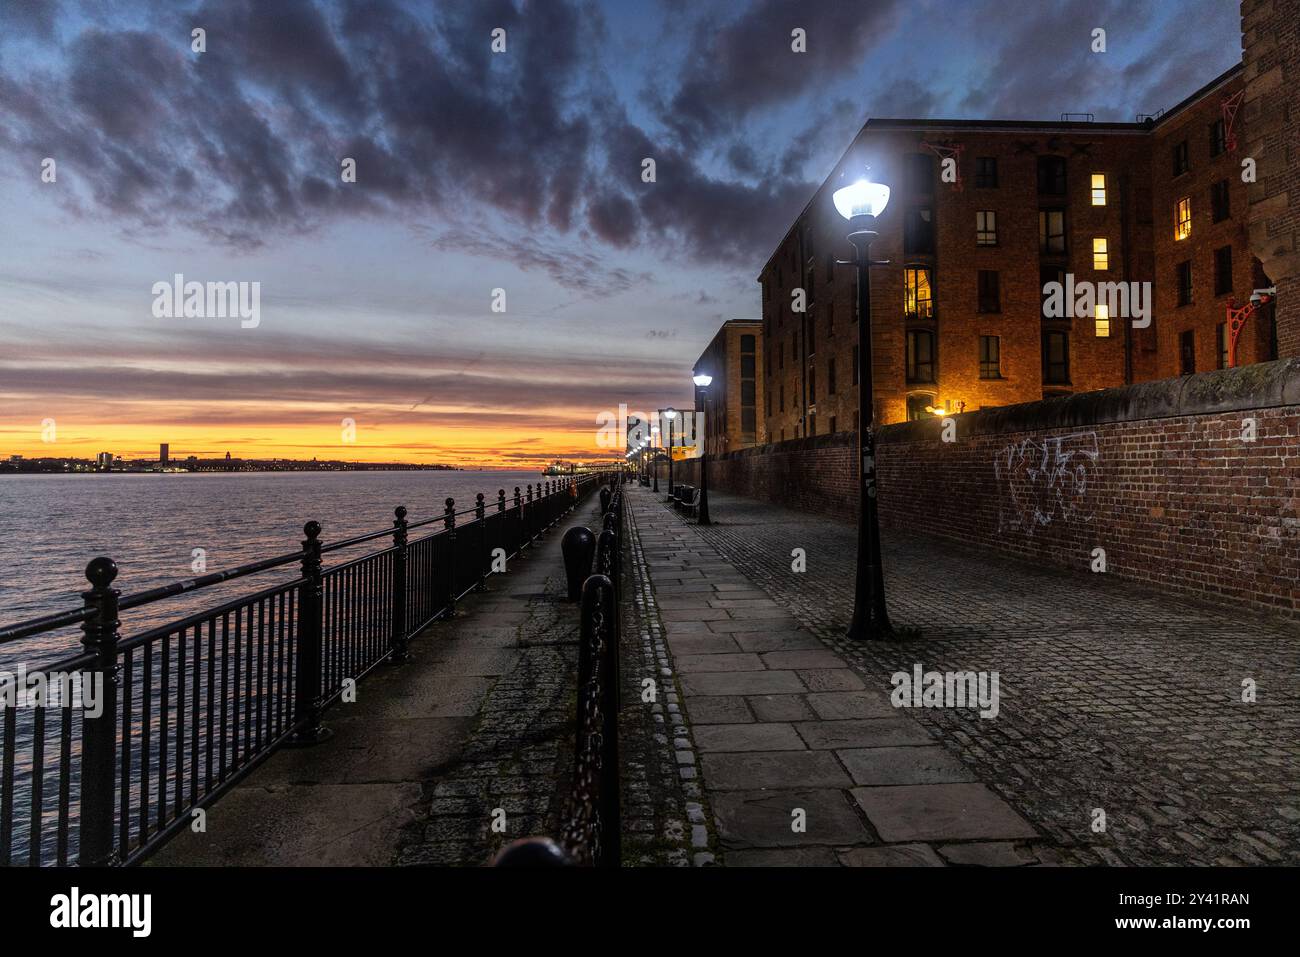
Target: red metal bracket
column 1237, row 316
column 1231, row 104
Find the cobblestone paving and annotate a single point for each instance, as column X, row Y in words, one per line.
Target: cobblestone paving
column 519, row 756
column 665, row 818
column 1112, row 696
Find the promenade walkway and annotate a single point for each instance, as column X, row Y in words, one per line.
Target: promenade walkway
column 480, row 719
column 1121, row 735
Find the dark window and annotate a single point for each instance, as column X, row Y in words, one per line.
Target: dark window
column 767, row 401
column 1187, row 353
column 855, row 365
column 747, row 419
column 920, row 173
column 990, row 299
column 830, row 378
column 747, row 343
column 832, row 428
column 767, row 362
column 1220, row 205
column 747, row 391
column 747, row 366
column 1185, row 283
column 1051, row 175
column 812, row 335
column 1221, row 339
column 830, row 319
column 782, row 406
column 812, row 385
column 920, row 356
column 986, row 172
column 1056, row 358
column 1052, row 274
column 1181, row 164
column 780, row 356
column 917, row 404
column 918, row 231
column 986, row 227
column 1223, row 270
column 1218, row 137
column 1051, row 232
column 990, row 357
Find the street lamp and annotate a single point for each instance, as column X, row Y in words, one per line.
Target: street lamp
column 670, row 414
column 702, row 383
column 654, row 431
column 860, row 200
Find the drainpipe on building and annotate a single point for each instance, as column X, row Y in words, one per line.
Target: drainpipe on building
column 1124, row 211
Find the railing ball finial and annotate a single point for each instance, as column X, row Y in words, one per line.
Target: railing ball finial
column 101, row 571
column 400, row 512
column 312, row 530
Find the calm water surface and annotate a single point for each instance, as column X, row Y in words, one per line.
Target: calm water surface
column 52, row 525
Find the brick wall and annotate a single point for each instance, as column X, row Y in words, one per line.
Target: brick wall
column 1159, row 475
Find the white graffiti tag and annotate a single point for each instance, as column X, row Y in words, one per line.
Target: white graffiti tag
column 1042, row 480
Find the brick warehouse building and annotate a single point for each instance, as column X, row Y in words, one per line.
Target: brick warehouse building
column 957, row 315
column 731, row 413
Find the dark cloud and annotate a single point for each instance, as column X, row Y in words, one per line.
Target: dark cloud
column 34, row 18
column 748, row 63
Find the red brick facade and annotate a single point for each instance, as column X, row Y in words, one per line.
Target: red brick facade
column 733, row 409
column 985, row 334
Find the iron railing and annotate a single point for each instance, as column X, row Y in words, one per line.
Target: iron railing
column 590, row 834
column 191, row 706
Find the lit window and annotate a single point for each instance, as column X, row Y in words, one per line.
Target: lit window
column 1099, row 189
column 918, row 302
column 1103, row 321
column 1100, row 255
column 986, row 228
column 1183, row 219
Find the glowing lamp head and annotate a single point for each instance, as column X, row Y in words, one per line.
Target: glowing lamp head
column 702, row 381
column 670, row 414
column 860, row 196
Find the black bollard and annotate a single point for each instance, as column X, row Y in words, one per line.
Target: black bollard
column 579, row 548
column 605, row 495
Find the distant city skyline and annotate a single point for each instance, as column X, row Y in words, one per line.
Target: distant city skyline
column 477, row 171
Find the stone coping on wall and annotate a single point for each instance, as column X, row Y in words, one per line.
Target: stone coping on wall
column 1263, row 385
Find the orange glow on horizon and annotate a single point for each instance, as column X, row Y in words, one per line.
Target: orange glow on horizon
column 471, row 447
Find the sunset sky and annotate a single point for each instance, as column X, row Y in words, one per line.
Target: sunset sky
column 475, row 171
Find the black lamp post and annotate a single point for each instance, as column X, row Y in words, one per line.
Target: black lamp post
column 860, row 201
column 654, row 433
column 670, row 414
column 702, row 383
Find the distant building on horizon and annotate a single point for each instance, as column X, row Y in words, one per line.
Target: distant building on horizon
column 164, row 453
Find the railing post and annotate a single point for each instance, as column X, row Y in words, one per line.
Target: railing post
column 450, row 522
column 528, row 524
column 311, row 609
column 99, row 735
column 501, row 500
column 397, row 643
column 519, row 516
column 484, row 559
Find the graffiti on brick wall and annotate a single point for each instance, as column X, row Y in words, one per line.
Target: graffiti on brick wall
column 1045, row 480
